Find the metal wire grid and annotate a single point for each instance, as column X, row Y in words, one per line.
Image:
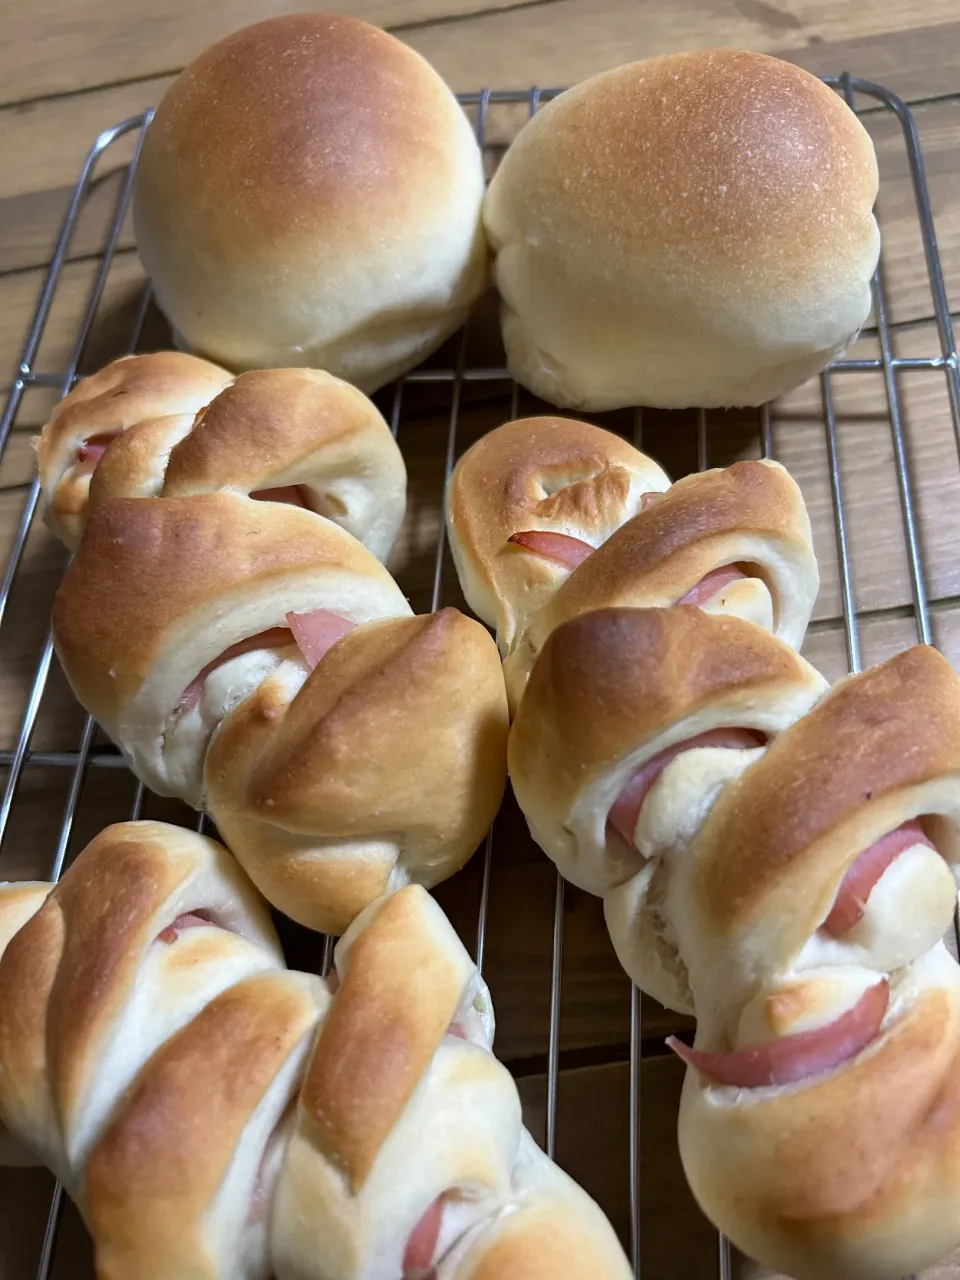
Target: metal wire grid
column 79, row 761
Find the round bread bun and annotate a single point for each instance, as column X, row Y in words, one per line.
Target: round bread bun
column 309, row 194
column 696, row 229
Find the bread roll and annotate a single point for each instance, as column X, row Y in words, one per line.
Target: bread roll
column 696, row 229
column 161, row 594
column 167, row 425
column 614, row 692
column 309, row 194
column 747, row 522
column 231, row 649
column 219, row 1117
column 387, row 765
column 544, row 475
column 843, row 1165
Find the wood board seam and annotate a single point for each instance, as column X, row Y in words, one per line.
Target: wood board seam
column 18, row 104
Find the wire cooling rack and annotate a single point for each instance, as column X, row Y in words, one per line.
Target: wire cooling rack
column 452, row 376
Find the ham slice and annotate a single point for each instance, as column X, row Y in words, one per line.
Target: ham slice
column 274, row 638
column 712, row 584
column 798, row 1057
column 314, row 633
column 292, row 494
column 626, row 808
column 189, row 920
column 317, row 631
column 422, row 1245
column 560, row 547
column 92, row 450
column 857, row 884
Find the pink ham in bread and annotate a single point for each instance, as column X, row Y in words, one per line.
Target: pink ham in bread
column 626, row 808
column 798, row 1057
column 561, row 547
column 572, row 552
column 313, row 633
column 189, row 920
column 712, row 584
column 858, row 883
column 422, row 1245
column 317, row 631
column 92, row 450
column 276, row 637
column 567, row 551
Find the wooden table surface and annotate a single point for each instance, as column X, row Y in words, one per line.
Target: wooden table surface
column 70, row 68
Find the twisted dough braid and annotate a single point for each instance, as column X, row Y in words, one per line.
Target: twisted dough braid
column 216, row 1116
column 735, row 540
column 632, row 723
column 338, row 766
column 551, row 518
column 810, row 912
column 207, row 592
column 558, row 477
column 172, row 425
column 791, row 891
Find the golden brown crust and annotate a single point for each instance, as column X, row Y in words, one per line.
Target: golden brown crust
column 289, row 214
column 661, row 553
column 399, row 735
column 777, row 838
column 546, row 1240
column 708, row 151
column 157, row 1159
column 19, row 900
column 281, row 414
column 146, row 568
column 833, row 1174
column 539, row 473
column 107, row 905
column 126, row 393
column 374, row 685
column 608, row 680
column 323, row 138
column 28, row 971
column 377, row 1043
column 260, row 427
column 717, row 254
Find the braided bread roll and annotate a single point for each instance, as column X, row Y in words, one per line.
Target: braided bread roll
column 171, row 425
column 208, row 635
column 528, row 501
column 819, row 1124
column 150, row 1042
column 735, row 540
column 632, row 724
column 217, row 1116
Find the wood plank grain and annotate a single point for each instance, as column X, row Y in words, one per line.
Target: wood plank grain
column 44, row 145
column 19, row 293
column 537, row 45
column 128, row 41
column 500, row 43
column 593, row 1145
